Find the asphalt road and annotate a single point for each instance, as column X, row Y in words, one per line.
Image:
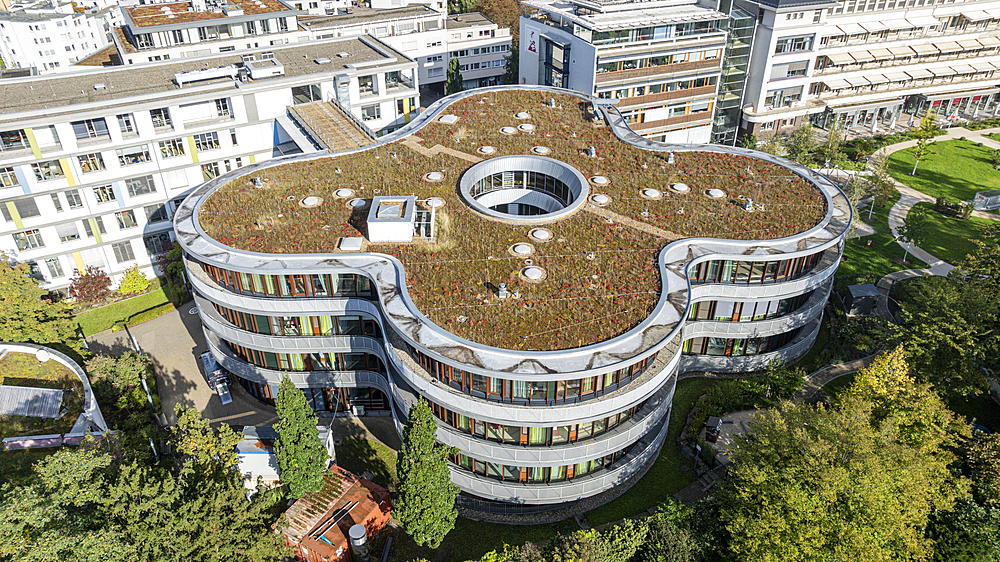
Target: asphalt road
column 175, row 341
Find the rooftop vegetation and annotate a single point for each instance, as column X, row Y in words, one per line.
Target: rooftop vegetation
column 601, row 275
column 23, row 369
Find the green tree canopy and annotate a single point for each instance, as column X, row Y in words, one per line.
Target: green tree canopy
column 426, row 504
column 25, row 317
column 199, row 444
column 455, row 82
column 848, row 483
column 301, row 456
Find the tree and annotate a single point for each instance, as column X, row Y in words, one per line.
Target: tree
column 455, row 81
column 967, row 533
column 830, row 150
column 461, row 6
column 925, row 137
column 914, row 229
column 26, row 317
column 426, row 505
column 510, row 69
column 134, row 281
column 199, row 444
column 749, row 141
column 301, row 456
column 781, row 381
column 74, row 476
column 93, row 285
column 800, row 145
column 984, row 460
column 117, row 386
column 848, row 483
column 504, row 13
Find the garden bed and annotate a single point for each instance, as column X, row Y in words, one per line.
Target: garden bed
column 602, row 277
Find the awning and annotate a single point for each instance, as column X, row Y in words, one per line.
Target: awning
column 856, row 81
column 901, row 52
column 840, row 58
column 976, row 15
column 923, row 21
column 862, row 56
column 924, row 49
column 877, row 79
column 897, row 24
column 994, row 14
column 960, row 94
column 864, row 105
column 836, row 84
column 873, row 26
column 881, row 53
column 963, row 69
column 970, row 45
column 989, row 41
column 983, row 66
column 898, row 77
column 948, row 47
column 851, row 28
column 995, row 65
column 942, row 71
column 920, row 73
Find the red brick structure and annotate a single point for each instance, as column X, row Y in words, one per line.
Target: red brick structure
column 317, row 524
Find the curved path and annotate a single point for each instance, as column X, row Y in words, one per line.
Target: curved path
column 910, row 197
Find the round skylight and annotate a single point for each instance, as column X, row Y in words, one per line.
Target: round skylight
column 599, row 180
column 541, row 234
column 522, row 115
column 357, row 203
column 508, row 130
column 311, row 201
column 487, row 150
column 543, row 150
column 344, row 193
column 651, row 193
column 601, row 199
column 533, row 273
column 434, row 176
column 715, row 193
column 680, row 187
column 526, row 127
column 435, row 202
column 522, row 249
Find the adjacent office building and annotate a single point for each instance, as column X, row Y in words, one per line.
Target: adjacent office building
column 52, row 36
column 534, row 293
column 863, row 64
column 93, row 164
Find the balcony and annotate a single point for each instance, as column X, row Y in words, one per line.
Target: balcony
column 636, row 74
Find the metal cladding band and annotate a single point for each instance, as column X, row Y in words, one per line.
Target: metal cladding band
column 658, row 337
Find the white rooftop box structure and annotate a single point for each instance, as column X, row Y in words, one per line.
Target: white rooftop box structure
column 391, row 219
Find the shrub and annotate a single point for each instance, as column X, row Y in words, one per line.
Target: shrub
column 134, row 281
column 92, row 286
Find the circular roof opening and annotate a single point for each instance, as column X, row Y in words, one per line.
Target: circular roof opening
column 311, row 201
column 526, row 127
column 601, row 199
column 541, row 234
column 522, row 250
column 524, row 189
column 599, row 180
column 357, row 203
column 543, row 150
column 434, row 176
column 680, row 187
column 435, row 202
column 508, row 130
column 650, row 193
column 715, row 193
column 522, row 115
column 533, row 273
column 344, row 193
column 487, row 150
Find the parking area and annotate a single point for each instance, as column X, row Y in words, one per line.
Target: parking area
column 175, row 341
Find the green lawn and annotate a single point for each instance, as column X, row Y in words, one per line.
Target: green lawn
column 99, row 319
column 954, row 168
column 950, row 238
column 361, row 455
column 868, row 259
column 664, row 477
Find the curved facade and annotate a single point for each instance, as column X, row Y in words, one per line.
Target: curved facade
column 533, row 427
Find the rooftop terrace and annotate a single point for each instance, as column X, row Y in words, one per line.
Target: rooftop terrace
column 183, row 12
column 599, row 266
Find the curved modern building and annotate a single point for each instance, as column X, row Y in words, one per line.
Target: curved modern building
column 530, row 266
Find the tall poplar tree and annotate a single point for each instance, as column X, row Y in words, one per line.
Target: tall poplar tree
column 426, row 505
column 301, row 455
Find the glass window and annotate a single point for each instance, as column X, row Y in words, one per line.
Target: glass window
column 8, row 178
column 73, row 199
column 55, row 268
column 560, row 434
column 156, row 213
column 27, row 208
column 206, row 141
column 13, row 140
column 28, row 239
column 123, row 251
column 172, row 148
column 539, row 391
column 371, row 112
column 133, row 155
column 125, row 123
column 161, row 117
column 67, row 232
column 91, row 162
column 140, row 186
column 158, row 243
column 90, row 129
column 48, row 170
column 126, row 219
column 104, row 193
column 55, row 202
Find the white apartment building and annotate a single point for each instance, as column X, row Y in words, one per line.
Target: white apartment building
column 867, row 64
column 417, row 30
column 165, row 31
column 52, row 36
column 480, row 46
column 660, row 59
column 94, row 163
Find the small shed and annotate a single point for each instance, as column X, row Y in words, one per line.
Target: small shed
column 860, row 300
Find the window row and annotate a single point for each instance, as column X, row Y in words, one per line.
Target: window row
column 746, row 311
column 664, row 87
column 536, row 474
column 529, row 392
column 744, row 272
column 731, row 347
column 302, row 325
column 533, row 436
column 308, row 285
column 654, row 61
column 320, row 361
column 322, row 399
column 83, row 130
column 523, row 180
column 647, row 33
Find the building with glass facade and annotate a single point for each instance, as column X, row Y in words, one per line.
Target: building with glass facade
column 524, row 261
